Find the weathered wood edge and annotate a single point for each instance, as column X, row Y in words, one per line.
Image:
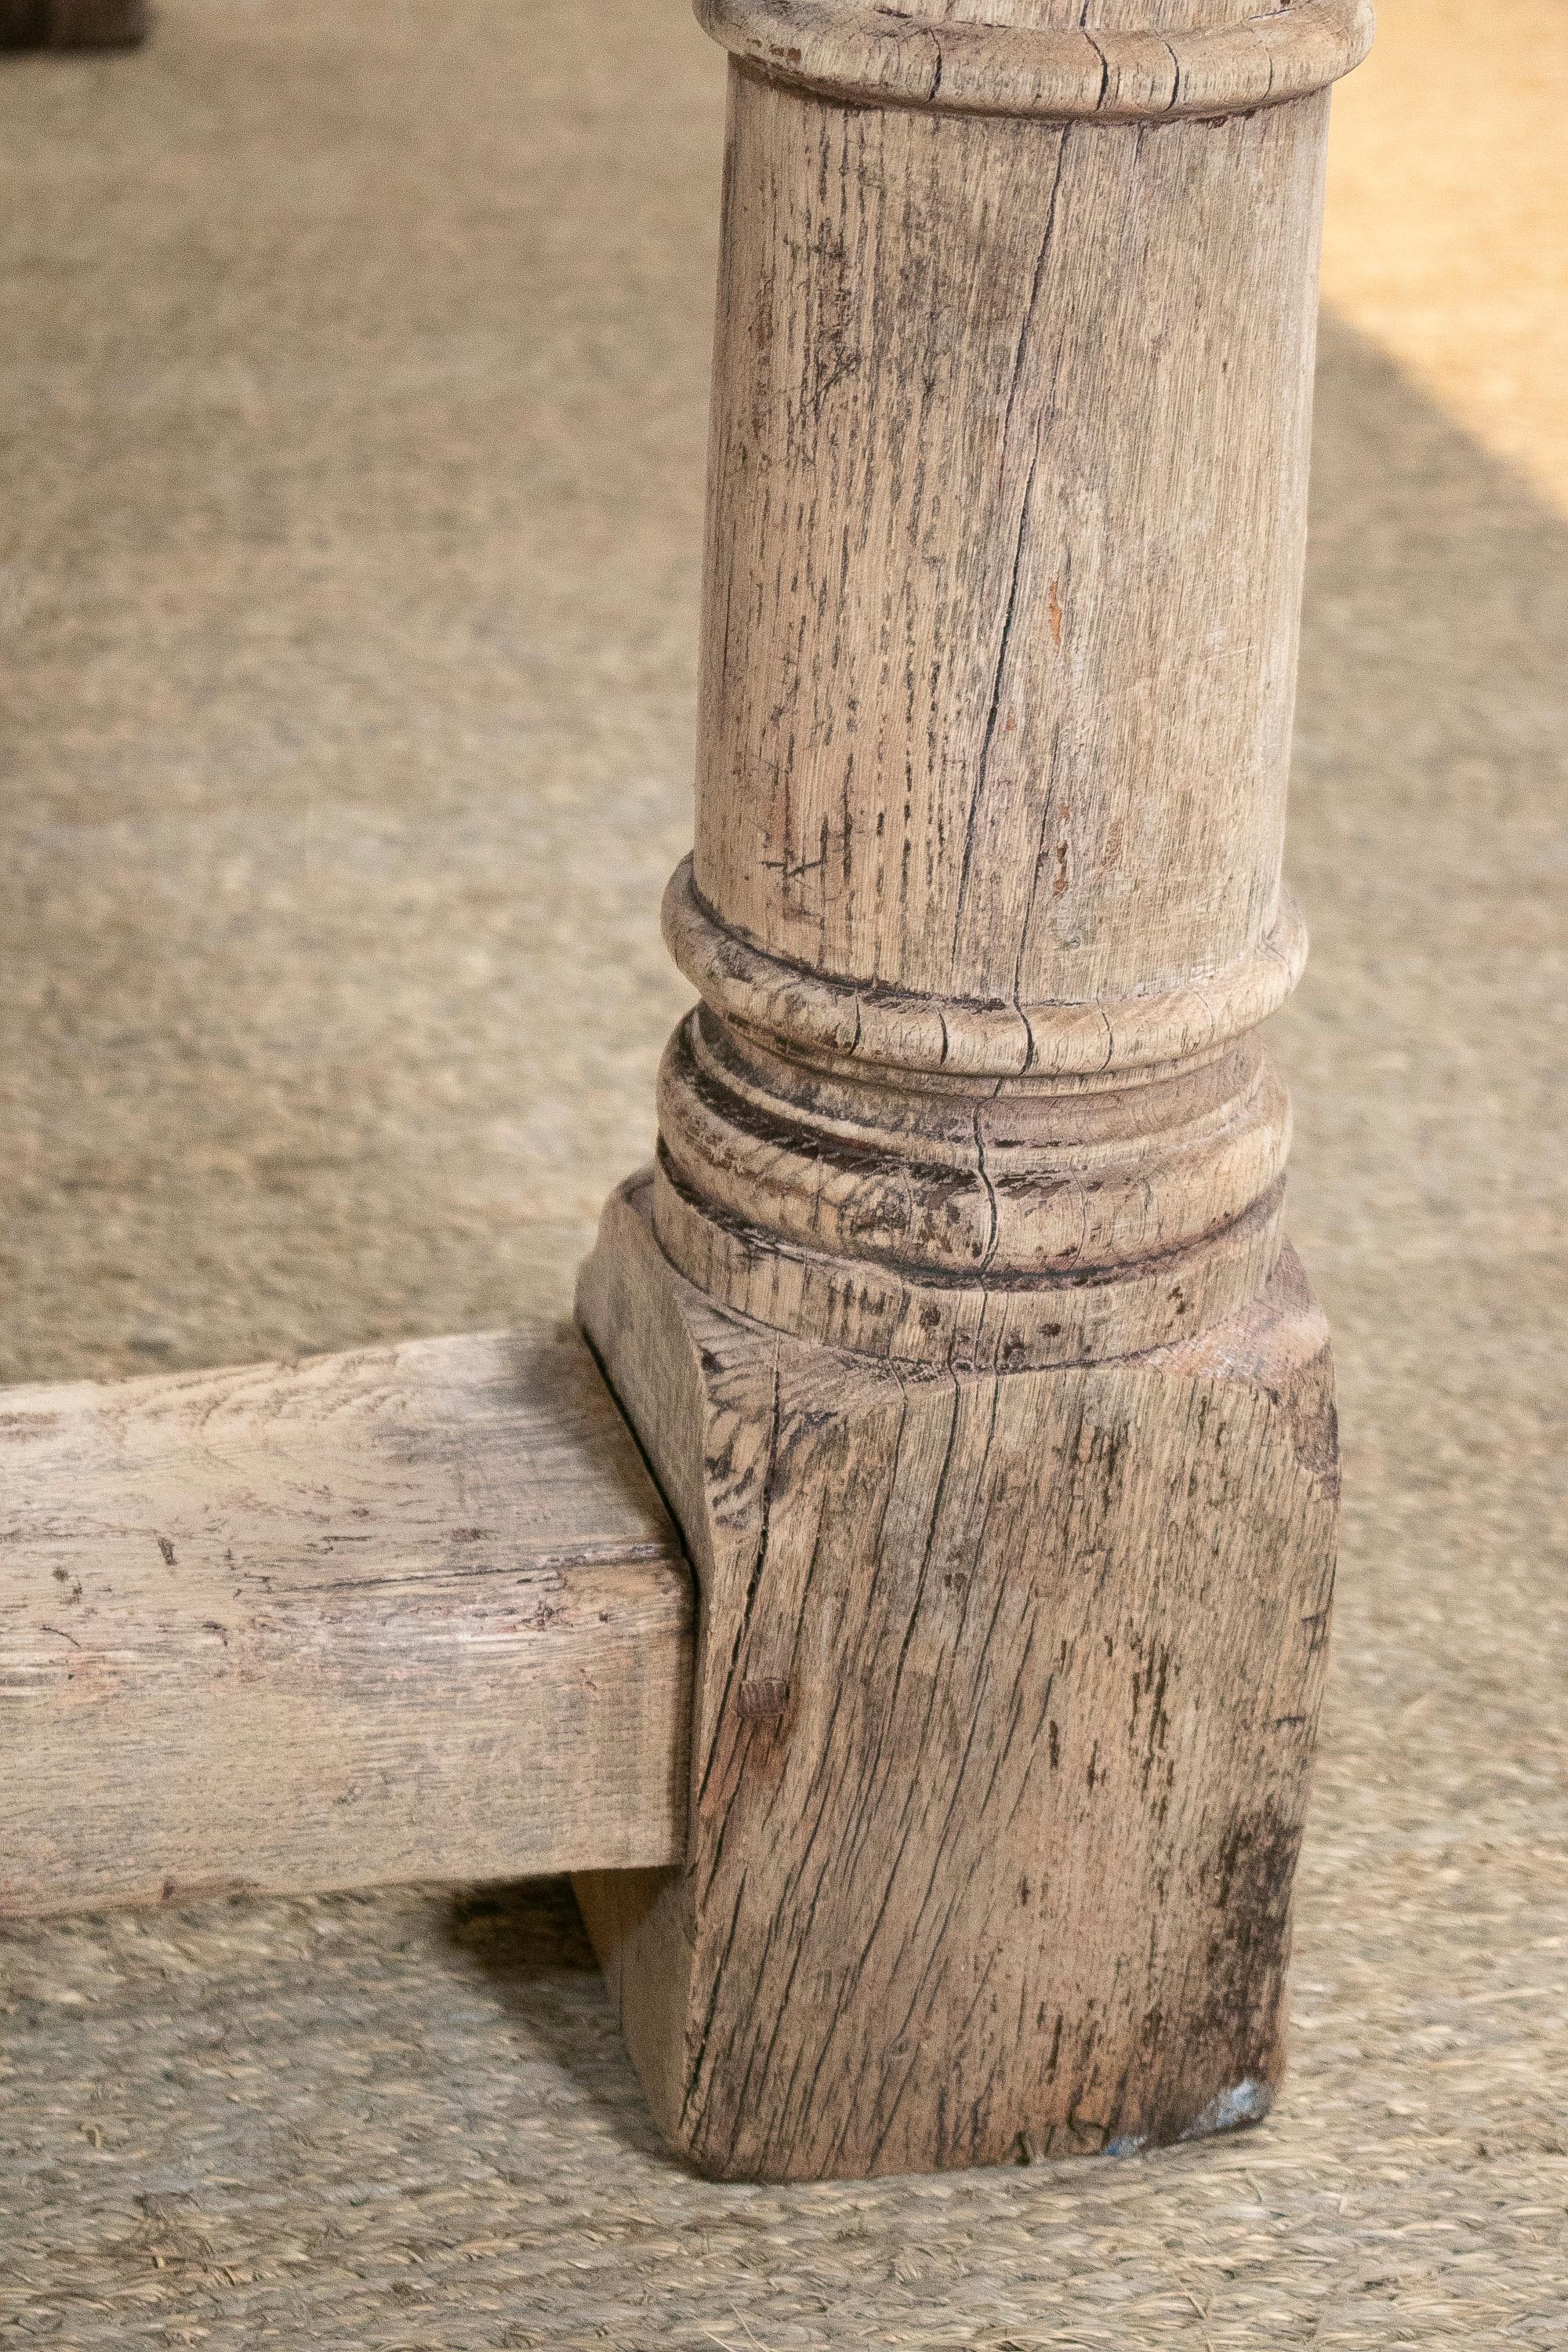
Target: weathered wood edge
column 911, row 57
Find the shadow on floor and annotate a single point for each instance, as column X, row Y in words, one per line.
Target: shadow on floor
column 522, row 1939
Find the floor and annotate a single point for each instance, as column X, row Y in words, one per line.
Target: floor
column 352, row 385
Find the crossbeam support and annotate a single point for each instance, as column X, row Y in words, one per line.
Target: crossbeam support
column 414, row 1612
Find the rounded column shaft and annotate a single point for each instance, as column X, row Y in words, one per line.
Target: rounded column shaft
column 1007, row 510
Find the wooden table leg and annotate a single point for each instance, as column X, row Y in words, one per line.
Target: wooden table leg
column 955, row 1318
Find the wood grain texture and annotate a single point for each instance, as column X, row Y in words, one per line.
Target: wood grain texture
column 1006, row 520
column 1004, row 1701
column 412, row 1613
column 1006, row 530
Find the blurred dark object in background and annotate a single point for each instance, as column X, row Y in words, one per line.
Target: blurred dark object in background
column 73, row 24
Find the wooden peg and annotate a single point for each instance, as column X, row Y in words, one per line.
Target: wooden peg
column 954, row 1318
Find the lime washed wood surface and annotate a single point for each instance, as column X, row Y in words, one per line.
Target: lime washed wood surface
column 415, row 1612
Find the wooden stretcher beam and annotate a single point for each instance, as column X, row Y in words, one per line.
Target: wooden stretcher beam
column 415, row 1612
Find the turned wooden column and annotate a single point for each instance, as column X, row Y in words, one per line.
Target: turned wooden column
column 955, row 1318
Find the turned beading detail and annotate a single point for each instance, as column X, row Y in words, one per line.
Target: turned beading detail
column 1117, row 61
column 1108, row 1194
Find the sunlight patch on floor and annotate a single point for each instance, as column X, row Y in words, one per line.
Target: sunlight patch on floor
column 1445, row 239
